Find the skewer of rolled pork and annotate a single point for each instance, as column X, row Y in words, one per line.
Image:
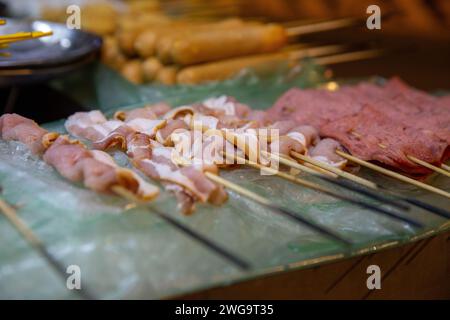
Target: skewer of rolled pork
column 111, row 54
column 72, row 160
column 138, row 72
column 136, row 137
column 175, row 129
column 303, row 139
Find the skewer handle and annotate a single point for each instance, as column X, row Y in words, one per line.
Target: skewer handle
column 429, row 166
column 394, row 174
column 321, row 26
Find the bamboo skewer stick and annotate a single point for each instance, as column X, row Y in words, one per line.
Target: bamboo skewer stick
column 290, row 163
column 376, row 196
column 219, row 250
column 321, row 26
column 431, row 208
column 226, row 68
column 343, row 184
column 321, row 189
column 335, row 170
column 429, row 166
column 37, row 244
column 349, row 57
column 321, row 170
column 445, row 167
column 393, row 174
column 314, row 51
column 284, row 212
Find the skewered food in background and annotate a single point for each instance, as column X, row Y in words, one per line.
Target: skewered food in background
column 262, row 63
column 98, row 171
column 149, row 156
column 159, row 41
column 225, row 69
column 159, row 48
column 142, row 31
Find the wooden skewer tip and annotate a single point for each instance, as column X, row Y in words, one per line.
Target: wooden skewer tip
column 393, row 174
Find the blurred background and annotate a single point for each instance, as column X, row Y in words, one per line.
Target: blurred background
column 415, row 32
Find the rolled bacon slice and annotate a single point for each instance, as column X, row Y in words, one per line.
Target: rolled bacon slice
column 307, row 135
column 145, row 190
column 148, row 126
column 324, row 151
column 161, row 167
column 18, row 128
column 151, row 112
column 228, row 106
column 90, row 125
